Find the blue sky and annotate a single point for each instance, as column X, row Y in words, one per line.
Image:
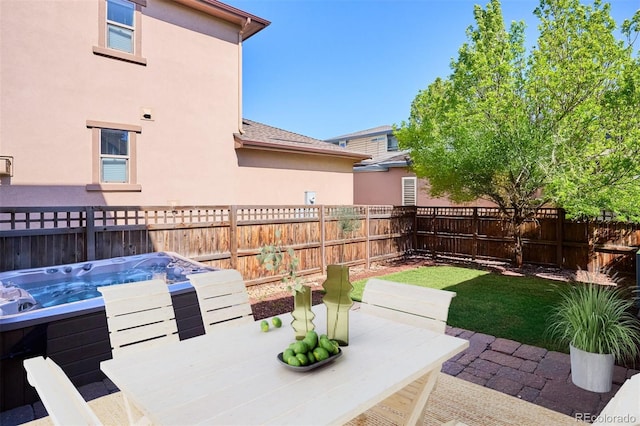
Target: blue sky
column 324, row 68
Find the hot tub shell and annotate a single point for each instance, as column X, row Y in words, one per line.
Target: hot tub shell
column 75, row 336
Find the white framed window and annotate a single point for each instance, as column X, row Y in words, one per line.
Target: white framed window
column 120, row 32
column 409, row 191
column 120, row 25
column 392, row 143
column 114, row 156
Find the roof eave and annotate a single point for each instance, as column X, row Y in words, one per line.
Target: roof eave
column 357, row 135
column 267, row 146
column 230, row 14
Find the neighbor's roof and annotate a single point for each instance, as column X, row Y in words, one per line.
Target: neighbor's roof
column 384, row 163
column 380, row 130
column 260, row 136
column 230, row 14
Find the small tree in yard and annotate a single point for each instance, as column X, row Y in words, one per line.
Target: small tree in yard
column 559, row 125
column 275, row 258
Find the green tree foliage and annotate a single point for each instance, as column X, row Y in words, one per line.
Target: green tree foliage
column 557, row 125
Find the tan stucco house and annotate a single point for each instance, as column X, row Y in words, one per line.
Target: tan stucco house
column 139, row 102
column 386, row 177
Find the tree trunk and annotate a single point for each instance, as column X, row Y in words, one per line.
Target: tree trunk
column 518, row 248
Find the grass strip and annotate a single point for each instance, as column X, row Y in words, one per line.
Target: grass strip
column 511, row 307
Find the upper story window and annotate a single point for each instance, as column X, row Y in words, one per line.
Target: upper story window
column 120, row 25
column 392, row 143
column 120, row 30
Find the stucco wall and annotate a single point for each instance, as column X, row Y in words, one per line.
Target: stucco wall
column 51, row 83
column 386, row 188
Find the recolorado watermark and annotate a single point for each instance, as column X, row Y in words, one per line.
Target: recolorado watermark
column 607, row 419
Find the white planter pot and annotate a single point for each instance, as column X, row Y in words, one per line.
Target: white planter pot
column 591, row 371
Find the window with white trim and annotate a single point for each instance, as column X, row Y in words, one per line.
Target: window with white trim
column 120, row 25
column 392, row 143
column 114, row 156
column 409, row 191
column 119, row 29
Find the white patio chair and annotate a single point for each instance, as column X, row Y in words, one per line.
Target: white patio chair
column 419, row 306
column 223, row 298
column 62, row 400
column 139, row 315
column 624, row 407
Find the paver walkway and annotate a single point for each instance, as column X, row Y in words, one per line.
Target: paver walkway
column 529, row 373
column 526, row 372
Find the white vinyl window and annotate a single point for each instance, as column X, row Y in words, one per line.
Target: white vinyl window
column 120, row 25
column 392, row 143
column 120, row 34
column 409, row 191
column 114, row 156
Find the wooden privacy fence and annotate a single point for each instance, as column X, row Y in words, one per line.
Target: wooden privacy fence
column 231, row 236
column 549, row 239
column 219, row 236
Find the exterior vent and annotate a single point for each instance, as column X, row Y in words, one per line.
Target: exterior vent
column 409, row 186
column 6, row 166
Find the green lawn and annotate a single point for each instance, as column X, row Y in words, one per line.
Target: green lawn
column 503, row 306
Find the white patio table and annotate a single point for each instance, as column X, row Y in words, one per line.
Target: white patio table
column 232, row 376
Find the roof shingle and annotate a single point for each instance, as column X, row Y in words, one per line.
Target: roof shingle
column 260, row 136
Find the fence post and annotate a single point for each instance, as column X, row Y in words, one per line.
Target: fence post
column 90, row 233
column 414, row 239
column 434, row 232
column 233, row 236
column 474, row 228
column 560, row 238
column 367, row 232
column 323, row 251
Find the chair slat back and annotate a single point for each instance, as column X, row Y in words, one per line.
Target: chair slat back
column 62, row 400
column 139, row 315
column 223, row 298
column 415, row 305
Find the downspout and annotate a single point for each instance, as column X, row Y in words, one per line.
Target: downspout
column 240, row 34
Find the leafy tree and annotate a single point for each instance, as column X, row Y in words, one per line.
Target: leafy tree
column 557, row 125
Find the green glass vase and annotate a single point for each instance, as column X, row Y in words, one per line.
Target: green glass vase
column 302, row 313
column 338, row 302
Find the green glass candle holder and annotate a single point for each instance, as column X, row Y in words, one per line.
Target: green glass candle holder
column 302, row 313
column 338, row 301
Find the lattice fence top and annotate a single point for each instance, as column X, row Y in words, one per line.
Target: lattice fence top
column 20, row 218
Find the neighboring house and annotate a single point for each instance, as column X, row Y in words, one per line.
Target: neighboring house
column 288, row 168
column 116, row 102
column 387, row 178
column 377, row 142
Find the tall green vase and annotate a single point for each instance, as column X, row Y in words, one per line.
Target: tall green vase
column 338, row 302
column 302, row 313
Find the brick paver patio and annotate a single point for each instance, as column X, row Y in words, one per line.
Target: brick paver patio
column 527, row 372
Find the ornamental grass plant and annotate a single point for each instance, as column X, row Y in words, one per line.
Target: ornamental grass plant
column 597, row 319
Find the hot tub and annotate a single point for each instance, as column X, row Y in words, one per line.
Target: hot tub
column 68, row 321
column 58, row 290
